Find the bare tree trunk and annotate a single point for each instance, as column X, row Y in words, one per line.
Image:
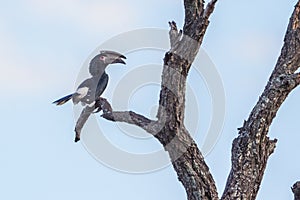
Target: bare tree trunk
column 169, row 129
column 252, row 148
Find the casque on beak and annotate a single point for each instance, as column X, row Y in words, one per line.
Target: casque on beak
column 113, row 57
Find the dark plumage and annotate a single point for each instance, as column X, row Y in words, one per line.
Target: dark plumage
column 90, row 89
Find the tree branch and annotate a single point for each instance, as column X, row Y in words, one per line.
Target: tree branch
column 209, row 8
column 133, row 118
column 187, row 159
column 195, row 26
column 296, row 190
column 193, row 10
column 169, row 129
column 252, row 148
column 288, row 61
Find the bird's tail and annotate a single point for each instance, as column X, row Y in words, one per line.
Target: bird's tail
column 63, row 100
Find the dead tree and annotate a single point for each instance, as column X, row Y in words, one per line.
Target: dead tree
column 252, row 147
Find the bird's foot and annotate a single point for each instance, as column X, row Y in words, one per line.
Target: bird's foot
column 98, row 110
column 102, row 104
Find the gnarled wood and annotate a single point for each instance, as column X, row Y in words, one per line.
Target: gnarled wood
column 252, row 148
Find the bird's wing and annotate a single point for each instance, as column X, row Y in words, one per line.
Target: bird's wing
column 82, row 91
column 102, row 83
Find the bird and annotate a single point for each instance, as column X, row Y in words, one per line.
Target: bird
column 91, row 89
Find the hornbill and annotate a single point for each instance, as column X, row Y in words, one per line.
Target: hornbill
column 91, row 89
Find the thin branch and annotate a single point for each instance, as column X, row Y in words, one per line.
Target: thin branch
column 288, row 61
column 133, row 118
column 175, row 36
column 129, row 117
column 210, row 8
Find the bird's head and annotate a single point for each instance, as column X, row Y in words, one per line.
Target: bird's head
column 102, row 60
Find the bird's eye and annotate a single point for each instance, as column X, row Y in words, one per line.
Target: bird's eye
column 102, row 58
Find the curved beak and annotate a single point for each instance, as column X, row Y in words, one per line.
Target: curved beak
column 119, row 60
column 114, row 57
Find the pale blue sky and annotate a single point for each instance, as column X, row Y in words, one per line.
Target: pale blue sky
column 43, row 47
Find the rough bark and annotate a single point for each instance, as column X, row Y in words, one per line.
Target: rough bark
column 169, row 128
column 252, row 148
column 296, row 190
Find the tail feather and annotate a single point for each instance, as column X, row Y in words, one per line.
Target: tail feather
column 63, row 100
